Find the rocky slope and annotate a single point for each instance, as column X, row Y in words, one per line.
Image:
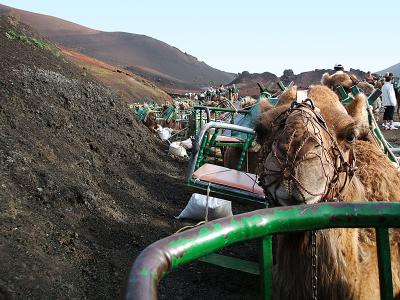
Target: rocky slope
column 76, row 178
column 83, row 187
column 129, row 86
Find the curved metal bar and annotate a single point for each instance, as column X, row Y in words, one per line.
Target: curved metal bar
column 169, row 253
column 203, row 131
column 222, row 109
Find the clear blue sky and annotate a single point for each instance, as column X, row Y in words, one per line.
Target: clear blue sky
column 251, row 35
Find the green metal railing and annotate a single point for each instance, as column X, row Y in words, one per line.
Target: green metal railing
column 166, row 255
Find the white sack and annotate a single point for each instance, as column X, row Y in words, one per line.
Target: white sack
column 164, row 133
column 196, row 208
column 177, row 149
column 187, row 144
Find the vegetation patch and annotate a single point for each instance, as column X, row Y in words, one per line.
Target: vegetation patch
column 34, row 41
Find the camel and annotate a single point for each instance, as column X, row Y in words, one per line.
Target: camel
column 397, row 93
column 320, row 151
column 347, row 81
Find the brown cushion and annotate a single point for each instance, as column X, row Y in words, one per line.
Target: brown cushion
column 229, row 177
column 228, row 139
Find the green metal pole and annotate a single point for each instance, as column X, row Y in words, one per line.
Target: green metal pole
column 266, row 263
column 212, row 142
column 246, row 147
column 385, row 270
column 203, row 144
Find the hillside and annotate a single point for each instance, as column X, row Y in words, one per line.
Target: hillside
column 76, row 178
column 83, row 187
column 247, row 82
column 155, row 60
column 395, row 69
column 129, row 86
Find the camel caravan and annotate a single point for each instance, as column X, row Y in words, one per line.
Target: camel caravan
column 311, row 155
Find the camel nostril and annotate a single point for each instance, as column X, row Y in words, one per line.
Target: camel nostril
column 286, row 172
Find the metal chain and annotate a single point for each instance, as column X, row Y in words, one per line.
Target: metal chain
column 314, row 264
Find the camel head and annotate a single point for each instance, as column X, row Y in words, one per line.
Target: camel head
column 307, row 147
column 339, row 78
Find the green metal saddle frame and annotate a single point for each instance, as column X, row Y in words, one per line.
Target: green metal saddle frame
column 166, row 255
column 347, row 99
column 239, row 185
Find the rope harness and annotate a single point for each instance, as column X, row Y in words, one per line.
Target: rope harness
column 313, row 125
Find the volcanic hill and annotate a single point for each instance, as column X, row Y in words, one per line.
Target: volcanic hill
column 165, row 65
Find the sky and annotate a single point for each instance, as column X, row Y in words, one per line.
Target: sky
column 250, row 35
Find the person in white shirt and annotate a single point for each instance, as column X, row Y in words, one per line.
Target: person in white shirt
column 389, row 102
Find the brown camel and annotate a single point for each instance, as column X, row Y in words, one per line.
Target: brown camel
column 347, row 81
column 311, row 152
column 339, row 78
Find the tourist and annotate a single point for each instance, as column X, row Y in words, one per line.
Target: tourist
column 370, row 79
column 338, row 68
column 221, row 90
column 389, row 102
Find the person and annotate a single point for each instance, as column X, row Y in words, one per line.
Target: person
column 389, row 102
column 338, row 67
column 235, row 92
column 370, row 79
column 221, row 90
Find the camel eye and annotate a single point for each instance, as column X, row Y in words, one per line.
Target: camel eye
column 351, row 137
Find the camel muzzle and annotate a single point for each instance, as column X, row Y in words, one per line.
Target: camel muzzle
column 302, row 145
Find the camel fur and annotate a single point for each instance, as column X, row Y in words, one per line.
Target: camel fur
column 347, row 258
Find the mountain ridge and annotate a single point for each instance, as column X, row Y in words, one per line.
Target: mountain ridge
column 175, row 68
column 395, row 69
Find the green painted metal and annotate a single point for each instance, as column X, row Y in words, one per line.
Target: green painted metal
column 385, row 270
column 266, row 263
column 231, row 263
column 346, row 99
column 199, row 111
column 226, row 193
column 375, row 95
column 201, row 151
column 179, row 249
column 273, row 100
column 282, row 86
column 243, row 154
column 344, row 96
column 355, row 90
column 212, row 142
column 386, row 147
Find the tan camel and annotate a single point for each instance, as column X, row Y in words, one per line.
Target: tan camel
column 310, row 151
column 347, row 81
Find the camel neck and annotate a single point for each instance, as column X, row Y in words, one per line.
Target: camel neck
column 336, row 274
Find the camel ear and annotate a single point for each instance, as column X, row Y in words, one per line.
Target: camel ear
column 354, row 79
column 327, row 80
column 262, row 128
column 358, row 110
column 288, row 96
column 265, row 105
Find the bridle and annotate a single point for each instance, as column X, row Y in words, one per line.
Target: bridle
column 310, row 118
column 354, row 81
